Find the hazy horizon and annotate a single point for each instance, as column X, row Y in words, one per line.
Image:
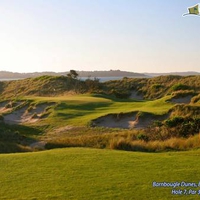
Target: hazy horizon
column 137, row 36
column 101, row 70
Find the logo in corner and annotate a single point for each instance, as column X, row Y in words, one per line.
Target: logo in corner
column 194, row 10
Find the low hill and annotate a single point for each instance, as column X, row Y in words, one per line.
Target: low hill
column 111, row 73
column 189, row 73
column 41, row 86
column 153, row 88
column 145, row 88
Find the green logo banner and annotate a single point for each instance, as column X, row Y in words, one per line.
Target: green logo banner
column 194, row 10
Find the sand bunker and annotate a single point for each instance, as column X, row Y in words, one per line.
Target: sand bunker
column 185, row 99
column 135, row 95
column 16, row 116
column 3, row 107
column 132, row 120
column 7, row 106
column 116, row 120
column 40, row 145
column 26, row 114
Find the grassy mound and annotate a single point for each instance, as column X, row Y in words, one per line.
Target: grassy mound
column 153, row 88
column 46, row 86
column 147, row 88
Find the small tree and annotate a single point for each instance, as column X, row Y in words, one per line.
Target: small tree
column 72, row 74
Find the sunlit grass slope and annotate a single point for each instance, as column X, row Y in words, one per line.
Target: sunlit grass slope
column 81, row 109
column 95, row 174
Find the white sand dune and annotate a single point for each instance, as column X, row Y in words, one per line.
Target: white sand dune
column 127, row 120
column 25, row 115
column 8, row 106
column 16, row 116
column 116, row 121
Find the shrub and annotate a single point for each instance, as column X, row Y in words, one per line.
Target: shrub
column 179, row 86
column 185, row 110
column 183, row 93
column 156, row 87
column 121, row 94
column 143, row 137
column 174, row 121
column 157, row 123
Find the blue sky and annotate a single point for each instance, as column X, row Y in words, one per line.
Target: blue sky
column 130, row 35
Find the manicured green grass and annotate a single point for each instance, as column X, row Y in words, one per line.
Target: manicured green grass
column 95, row 174
column 81, row 109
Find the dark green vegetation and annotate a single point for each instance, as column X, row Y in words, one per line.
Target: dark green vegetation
column 85, row 174
column 154, row 114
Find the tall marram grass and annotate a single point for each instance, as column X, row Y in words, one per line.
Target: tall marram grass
column 93, row 138
column 96, row 141
column 127, row 140
column 178, row 144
